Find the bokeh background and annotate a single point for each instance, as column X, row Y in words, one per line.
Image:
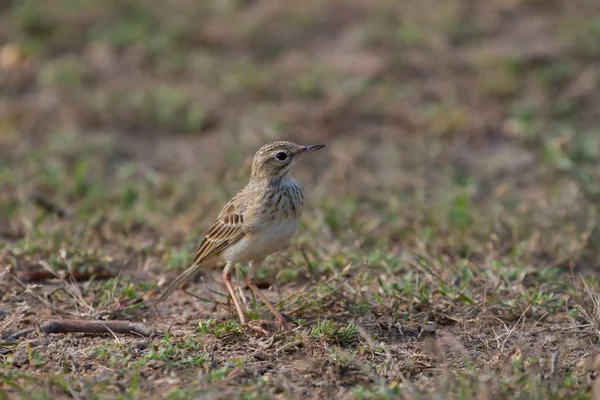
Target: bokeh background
column 464, row 133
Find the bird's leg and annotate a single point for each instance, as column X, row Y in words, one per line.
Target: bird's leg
column 254, row 266
column 229, row 285
column 240, row 291
column 227, row 280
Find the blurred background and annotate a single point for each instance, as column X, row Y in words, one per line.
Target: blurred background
column 425, row 102
column 464, row 132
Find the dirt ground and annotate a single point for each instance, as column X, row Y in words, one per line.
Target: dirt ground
column 450, row 243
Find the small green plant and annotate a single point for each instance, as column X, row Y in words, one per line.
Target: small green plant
column 186, row 353
column 328, row 330
column 219, row 329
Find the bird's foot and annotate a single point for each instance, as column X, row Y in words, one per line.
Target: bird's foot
column 282, row 321
column 285, row 326
column 255, row 326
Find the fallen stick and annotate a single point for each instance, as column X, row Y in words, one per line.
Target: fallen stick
column 40, row 275
column 92, row 326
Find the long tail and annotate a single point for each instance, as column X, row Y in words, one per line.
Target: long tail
column 184, row 276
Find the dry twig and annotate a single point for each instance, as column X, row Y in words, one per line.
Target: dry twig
column 90, row 326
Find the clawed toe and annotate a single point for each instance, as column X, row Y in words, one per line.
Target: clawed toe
column 284, row 324
column 254, row 326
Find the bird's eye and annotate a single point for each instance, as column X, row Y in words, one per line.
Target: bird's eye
column 281, row 156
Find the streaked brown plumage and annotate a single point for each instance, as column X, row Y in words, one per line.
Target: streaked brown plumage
column 259, row 220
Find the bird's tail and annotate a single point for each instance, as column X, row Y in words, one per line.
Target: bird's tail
column 184, row 276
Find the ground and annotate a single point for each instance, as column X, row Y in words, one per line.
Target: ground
column 450, row 243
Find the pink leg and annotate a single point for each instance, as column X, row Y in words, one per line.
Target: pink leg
column 254, row 266
column 236, row 303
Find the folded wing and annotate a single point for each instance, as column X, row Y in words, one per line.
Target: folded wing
column 226, row 230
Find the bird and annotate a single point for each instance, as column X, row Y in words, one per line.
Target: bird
column 258, row 221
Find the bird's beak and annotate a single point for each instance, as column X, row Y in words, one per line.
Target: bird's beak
column 311, row 148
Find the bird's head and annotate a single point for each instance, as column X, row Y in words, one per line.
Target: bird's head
column 275, row 160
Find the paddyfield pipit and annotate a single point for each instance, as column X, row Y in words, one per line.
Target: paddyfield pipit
column 259, row 220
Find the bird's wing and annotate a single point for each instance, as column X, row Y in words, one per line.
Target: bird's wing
column 226, row 230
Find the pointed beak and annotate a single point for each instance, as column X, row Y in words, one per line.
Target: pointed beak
column 311, row 148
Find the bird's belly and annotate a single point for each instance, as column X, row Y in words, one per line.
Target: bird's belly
column 266, row 240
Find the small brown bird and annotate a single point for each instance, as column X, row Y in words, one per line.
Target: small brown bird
column 258, row 221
